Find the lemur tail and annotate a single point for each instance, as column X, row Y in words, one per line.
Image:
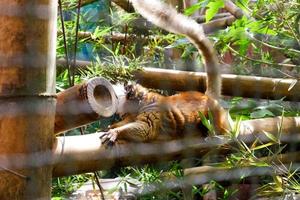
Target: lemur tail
column 166, row 17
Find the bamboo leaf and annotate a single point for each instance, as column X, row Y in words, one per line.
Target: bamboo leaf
column 271, row 137
column 213, row 8
column 263, row 146
column 293, row 84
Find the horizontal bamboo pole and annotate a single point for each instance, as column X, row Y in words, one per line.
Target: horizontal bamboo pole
column 280, row 159
column 85, row 153
column 209, row 27
column 79, row 154
column 232, row 85
column 84, row 103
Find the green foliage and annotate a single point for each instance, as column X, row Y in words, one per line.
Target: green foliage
column 213, row 8
column 116, row 69
column 208, row 122
column 251, row 109
column 269, row 25
column 64, row 186
column 150, row 175
column 269, row 22
column 195, row 7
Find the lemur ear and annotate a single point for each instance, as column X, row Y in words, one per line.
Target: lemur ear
column 129, row 91
column 126, row 83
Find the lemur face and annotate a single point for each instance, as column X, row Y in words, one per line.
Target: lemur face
column 134, row 91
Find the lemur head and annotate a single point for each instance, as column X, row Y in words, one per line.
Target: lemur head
column 135, row 91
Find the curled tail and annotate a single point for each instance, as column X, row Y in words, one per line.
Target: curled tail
column 166, row 17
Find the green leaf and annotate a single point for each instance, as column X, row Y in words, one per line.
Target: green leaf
column 204, row 120
column 260, row 27
column 261, row 114
column 293, row 84
column 191, row 10
column 237, row 127
column 263, row 146
column 212, row 9
column 271, row 137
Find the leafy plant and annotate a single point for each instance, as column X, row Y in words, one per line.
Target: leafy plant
column 64, row 186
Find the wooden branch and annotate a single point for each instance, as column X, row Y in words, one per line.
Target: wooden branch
column 115, row 37
column 124, row 4
column 233, row 9
column 218, row 24
column 84, row 103
column 210, row 27
column 220, row 21
column 73, row 155
column 69, row 5
column 202, row 19
column 80, row 64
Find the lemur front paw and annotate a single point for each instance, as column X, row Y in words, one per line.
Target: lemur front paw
column 109, row 137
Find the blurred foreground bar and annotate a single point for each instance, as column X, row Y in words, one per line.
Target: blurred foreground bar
column 84, row 103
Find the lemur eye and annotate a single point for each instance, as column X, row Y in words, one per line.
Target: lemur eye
column 141, row 95
column 128, row 88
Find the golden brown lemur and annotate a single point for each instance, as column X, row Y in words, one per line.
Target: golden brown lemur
column 149, row 115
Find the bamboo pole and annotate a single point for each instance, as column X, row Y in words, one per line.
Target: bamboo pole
column 142, row 24
column 281, row 159
column 74, row 156
column 84, row 103
column 232, row 85
column 27, row 94
column 233, row 9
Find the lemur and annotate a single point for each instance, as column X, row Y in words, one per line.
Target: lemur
column 153, row 115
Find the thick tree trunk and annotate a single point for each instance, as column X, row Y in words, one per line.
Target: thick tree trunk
column 27, row 95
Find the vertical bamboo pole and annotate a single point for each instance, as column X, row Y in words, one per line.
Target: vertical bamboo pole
column 27, row 96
